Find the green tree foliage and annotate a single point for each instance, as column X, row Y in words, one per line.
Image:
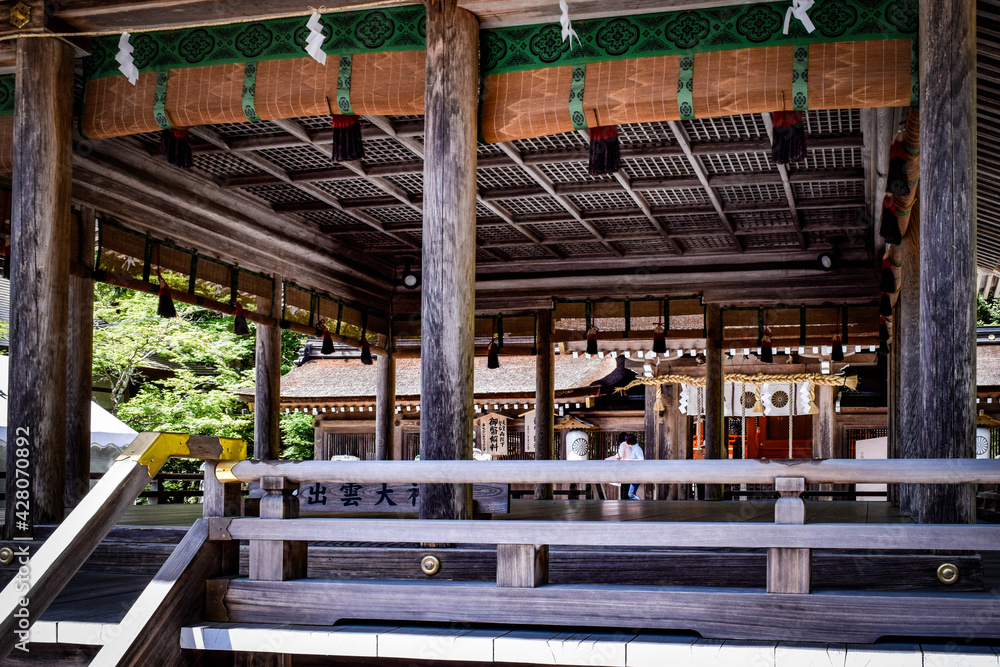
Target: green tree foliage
column 297, row 436
column 987, row 311
column 207, row 362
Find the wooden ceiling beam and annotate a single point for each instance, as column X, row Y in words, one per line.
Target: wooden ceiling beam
column 539, row 177
column 182, row 207
column 786, row 185
column 417, row 148
column 682, row 139
column 328, row 200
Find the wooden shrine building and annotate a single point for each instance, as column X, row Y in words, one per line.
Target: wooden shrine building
column 779, row 200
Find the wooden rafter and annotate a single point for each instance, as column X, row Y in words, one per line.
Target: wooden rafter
column 681, row 136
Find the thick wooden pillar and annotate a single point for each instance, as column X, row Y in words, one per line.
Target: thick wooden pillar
column 79, row 369
column 449, row 251
column 40, row 210
column 910, row 419
column 715, row 421
column 545, row 396
column 385, row 407
column 948, row 248
column 267, row 394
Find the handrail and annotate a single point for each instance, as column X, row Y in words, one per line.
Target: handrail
column 762, row 471
column 603, row 533
column 43, row 576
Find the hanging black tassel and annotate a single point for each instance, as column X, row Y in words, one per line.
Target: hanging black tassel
column 789, row 143
column 897, row 182
column 605, row 152
column 885, row 305
column 327, row 342
column 659, row 340
column 888, row 282
column 882, row 362
column 592, row 341
column 766, row 352
column 838, row 350
column 493, row 355
column 366, row 351
column 166, row 307
column 240, row 327
column 889, row 228
column 175, row 146
column 347, row 144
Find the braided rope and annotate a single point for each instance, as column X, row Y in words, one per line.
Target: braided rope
column 815, row 379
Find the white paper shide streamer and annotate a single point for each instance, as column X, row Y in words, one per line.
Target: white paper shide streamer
column 314, row 42
column 567, row 27
column 799, row 10
column 124, row 57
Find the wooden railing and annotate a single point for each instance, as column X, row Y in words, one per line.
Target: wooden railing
column 44, row 573
column 276, row 590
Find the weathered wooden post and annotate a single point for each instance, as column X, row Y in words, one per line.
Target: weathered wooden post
column 449, row 251
column 545, row 396
column 522, row 565
column 910, row 421
column 79, row 369
column 277, row 560
column 267, row 389
column 789, row 570
column 385, row 406
column 715, row 421
column 40, row 211
column 948, row 248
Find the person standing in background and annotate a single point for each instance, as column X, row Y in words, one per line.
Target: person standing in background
column 634, row 454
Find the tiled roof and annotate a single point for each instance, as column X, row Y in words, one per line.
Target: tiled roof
column 349, row 379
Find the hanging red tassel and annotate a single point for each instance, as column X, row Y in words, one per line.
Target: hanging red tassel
column 347, row 143
column 659, row 340
column 898, row 182
column 889, row 227
column 240, row 327
column 175, row 146
column 789, row 144
column 366, row 351
column 166, row 305
column 605, row 151
column 493, row 355
column 592, row 341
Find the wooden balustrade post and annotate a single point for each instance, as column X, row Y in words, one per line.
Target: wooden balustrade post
column 222, row 499
column 522, row 565
column 789, row 570
column 278, row 560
